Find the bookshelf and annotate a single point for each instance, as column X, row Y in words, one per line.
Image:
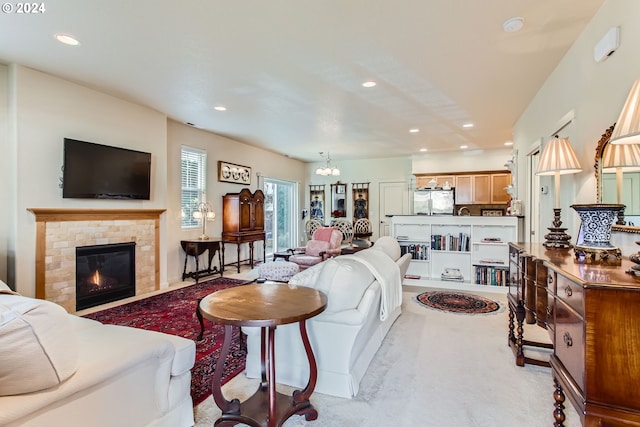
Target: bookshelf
column 465, row 249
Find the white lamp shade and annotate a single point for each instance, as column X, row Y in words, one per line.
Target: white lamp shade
column 558, row 156
column 335, row 172
column 627, row 128
column 623, row 156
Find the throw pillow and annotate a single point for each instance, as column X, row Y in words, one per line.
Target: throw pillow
column 38, row 346
column 344, row 280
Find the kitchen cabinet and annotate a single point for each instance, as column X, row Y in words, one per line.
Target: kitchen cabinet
column 499, row 183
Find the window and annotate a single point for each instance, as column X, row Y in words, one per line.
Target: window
column 280, row 219
column 193, row 182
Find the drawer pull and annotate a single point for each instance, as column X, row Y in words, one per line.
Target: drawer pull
column 550, row 280
column 567, row 339
column 568, row 291
column 549, row 310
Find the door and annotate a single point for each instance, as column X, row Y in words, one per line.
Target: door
column 280, row 209
column 394, row 200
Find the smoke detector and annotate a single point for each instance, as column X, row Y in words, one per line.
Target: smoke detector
column 513, row 24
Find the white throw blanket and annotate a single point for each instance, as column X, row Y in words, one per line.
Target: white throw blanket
column 387, row 273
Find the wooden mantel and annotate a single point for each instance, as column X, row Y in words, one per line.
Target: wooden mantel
column 57, row 215
column 44, row 215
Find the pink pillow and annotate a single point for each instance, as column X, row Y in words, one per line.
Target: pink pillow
column 314, row 247
column 323, row 233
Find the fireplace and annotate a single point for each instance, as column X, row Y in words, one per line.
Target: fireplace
column 104, row 273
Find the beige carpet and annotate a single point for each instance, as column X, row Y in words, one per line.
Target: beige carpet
column 435, row 369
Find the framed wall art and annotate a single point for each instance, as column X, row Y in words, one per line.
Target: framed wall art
column 237, row 174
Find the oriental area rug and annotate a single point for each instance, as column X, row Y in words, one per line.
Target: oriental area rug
column 174, row 312
column 457, row 302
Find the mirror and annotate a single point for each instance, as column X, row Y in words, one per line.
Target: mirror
column 338, row 200
column 316, row 202
column 606, row 188
column 360, row 192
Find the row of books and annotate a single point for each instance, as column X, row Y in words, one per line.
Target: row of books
column 450, row 242
column 492, row 276
column 417, row 251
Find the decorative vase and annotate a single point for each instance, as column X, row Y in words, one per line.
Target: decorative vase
column 594, row 240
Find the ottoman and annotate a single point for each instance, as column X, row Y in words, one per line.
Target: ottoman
column 278, row 271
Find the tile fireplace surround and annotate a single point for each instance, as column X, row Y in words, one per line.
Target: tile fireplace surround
column 60, row 231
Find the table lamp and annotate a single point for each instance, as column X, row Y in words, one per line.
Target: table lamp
column 558, row 158
column 204, row 212
column 627, row 131
column 620, row 158
column 627, row 128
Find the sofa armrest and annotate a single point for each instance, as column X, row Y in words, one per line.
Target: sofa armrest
column 351, row 317
column 403, row 263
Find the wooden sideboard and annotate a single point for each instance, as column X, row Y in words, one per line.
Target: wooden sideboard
column 593, row 313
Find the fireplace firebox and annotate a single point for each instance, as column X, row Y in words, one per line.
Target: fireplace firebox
column 104, row 273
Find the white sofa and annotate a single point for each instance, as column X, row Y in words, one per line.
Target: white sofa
column 58, row 369
column 346, row 336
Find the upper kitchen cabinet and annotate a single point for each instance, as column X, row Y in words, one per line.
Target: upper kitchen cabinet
column 499, row 182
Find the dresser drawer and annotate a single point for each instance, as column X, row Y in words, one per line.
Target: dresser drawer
column 570, row 293
column 569, row 341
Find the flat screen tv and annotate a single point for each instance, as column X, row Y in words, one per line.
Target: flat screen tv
column 95, row 171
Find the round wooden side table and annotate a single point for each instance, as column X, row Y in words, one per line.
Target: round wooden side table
column 265, row 305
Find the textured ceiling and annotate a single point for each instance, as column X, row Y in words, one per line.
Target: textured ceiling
column 290, row 72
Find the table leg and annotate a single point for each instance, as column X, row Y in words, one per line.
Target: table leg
column 251, row 254
column 197, row 269
column 184, row 271
column 301, row 397
column 272, row 376
column 199, row 316
column 558, row 397
column 238, row 253
column 221, row 261
column 226, row 406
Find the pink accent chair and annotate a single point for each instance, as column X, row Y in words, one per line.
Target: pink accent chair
column 325, row 244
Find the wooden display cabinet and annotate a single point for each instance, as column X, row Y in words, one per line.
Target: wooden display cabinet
column 243, row 221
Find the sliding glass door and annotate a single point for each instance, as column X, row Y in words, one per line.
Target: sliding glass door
column 280, row 214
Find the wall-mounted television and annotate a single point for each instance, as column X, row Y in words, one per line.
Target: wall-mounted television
column 95, row 171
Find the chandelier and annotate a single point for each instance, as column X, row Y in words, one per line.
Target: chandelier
column 204, row 212
column 328, row 170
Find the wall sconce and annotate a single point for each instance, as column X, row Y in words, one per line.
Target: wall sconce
column 204, row 212
column 558, row 158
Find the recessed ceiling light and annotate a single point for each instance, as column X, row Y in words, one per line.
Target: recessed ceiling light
column 464, row 147
column 467, row 125
column 414, row 130
column 513, row 24
column 423, row 150
column 67, row 39
column 220, row 108
column 508, row 143
column 369, row 83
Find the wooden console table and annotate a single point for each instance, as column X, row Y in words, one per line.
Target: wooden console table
column 594, row 318
column 266, row 306
column 195, row 248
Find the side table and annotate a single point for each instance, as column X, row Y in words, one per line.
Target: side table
column 195, row 248
column 266, row 306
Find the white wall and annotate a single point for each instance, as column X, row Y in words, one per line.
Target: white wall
column 262, row 162
column 7, row 166
column 595, row 92
column 47, row 109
